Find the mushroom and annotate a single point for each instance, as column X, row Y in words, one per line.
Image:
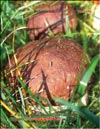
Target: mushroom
column 50, row 67
column 50, row 19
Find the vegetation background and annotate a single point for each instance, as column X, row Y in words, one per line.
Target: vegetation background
column 17, row 114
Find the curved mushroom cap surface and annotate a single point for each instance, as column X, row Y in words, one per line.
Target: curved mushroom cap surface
column 49, row 18
column 51, row 66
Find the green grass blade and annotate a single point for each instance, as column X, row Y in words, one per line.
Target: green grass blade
column 6, row 120
column 22, row 99
column 87, row 75
column 68, row 30
column 79, row 110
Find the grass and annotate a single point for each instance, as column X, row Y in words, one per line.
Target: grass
column 19, row 113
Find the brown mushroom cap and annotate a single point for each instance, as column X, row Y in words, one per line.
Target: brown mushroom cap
column 52, row 68
column 53, row 17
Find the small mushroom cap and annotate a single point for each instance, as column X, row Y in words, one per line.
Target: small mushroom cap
column 52, row 66
column 51, row 18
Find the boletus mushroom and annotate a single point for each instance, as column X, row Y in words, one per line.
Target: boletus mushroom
column 51, row 18
column 50, row 67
